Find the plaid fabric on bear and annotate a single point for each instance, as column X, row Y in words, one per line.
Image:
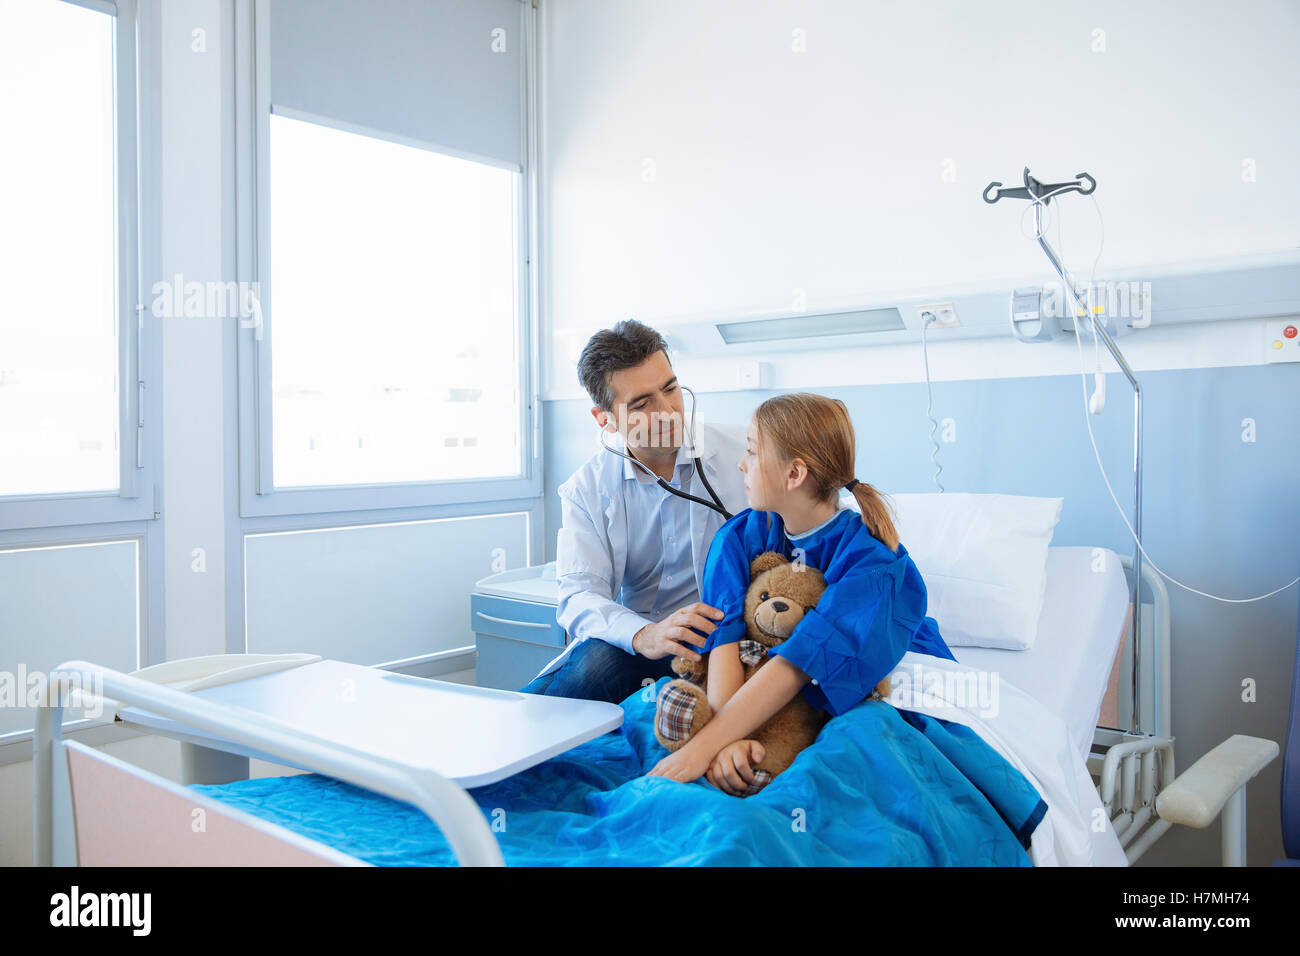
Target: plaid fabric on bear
column 676, row 709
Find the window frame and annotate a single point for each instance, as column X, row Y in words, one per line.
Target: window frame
column 258, row 496
column 139, row 410
column 39, row 521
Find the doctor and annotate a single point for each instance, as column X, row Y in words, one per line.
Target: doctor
column 630, row 555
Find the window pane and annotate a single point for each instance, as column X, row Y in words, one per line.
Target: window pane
column 58, row 321
column 393, row 311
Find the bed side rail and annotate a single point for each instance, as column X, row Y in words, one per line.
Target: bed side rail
column 448, row 805
column 1217, row 783
column 1137, row 784
column 1144, row 798
column 1133, row 772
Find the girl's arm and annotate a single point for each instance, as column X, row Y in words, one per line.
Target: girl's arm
column 758, row 698
column 726, row 674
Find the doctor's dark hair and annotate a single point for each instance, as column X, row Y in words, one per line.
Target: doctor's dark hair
column 818, row 430
column 626, row 345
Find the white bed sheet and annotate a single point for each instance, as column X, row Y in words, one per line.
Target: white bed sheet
column 1079, row 631
column 1075, row 831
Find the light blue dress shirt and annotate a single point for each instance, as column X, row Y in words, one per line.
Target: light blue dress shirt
column 660, row 575
column 629, row 553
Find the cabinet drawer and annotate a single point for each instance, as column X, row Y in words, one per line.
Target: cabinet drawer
column 517, row 620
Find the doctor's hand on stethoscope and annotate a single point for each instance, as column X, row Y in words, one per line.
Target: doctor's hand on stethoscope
column 673, row 637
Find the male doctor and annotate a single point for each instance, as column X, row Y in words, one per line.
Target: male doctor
column 630, row 555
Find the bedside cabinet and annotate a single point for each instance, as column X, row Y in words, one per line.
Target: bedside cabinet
column 512, row 615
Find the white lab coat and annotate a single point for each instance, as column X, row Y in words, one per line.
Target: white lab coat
column 592, row 542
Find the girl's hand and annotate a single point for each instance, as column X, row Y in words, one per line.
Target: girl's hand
column 731, row 770
column 685, row 765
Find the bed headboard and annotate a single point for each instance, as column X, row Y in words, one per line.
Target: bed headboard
column 1109, row 716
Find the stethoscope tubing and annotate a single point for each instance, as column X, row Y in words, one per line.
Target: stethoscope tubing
column 714, row 505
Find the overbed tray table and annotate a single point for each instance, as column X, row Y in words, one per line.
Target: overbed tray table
column 473, row 736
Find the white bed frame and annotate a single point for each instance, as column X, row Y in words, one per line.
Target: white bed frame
column 1134, row 769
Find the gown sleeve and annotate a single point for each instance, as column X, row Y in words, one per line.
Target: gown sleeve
column 863, row 623
column 726, row 569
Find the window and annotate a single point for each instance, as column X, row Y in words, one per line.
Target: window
column 394, row 270
column 70, row 424
column 385, row 238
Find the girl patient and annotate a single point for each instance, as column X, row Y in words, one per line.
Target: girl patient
column 800, row 453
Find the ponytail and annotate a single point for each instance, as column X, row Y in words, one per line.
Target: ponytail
column 876, row 514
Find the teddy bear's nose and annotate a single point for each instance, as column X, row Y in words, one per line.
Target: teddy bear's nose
column 780, row 606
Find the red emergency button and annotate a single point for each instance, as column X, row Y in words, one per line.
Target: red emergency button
column 1289, row 332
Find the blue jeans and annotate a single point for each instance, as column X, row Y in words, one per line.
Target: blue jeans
column 597, row 670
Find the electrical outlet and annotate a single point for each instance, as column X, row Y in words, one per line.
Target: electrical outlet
column 945, row 315
column 1282, row 341
column 753, row 374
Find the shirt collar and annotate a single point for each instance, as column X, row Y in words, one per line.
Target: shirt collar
column 632, row 472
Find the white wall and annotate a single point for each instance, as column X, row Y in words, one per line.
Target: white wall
column 696, row 163
column 42, row 628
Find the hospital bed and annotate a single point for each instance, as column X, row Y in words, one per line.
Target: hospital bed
column 91, row 808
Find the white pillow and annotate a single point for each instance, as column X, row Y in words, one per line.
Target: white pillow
column 984, row 562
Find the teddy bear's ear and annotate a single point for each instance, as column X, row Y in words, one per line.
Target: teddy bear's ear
column 766, row 561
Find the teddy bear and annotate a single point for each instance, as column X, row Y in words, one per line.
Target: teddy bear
column 780, row 594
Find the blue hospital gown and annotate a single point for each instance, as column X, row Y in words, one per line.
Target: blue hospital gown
column 871, row 614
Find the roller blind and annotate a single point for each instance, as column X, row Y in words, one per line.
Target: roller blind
column 444, row 73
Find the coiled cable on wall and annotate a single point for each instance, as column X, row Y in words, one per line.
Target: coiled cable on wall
column 928, row 319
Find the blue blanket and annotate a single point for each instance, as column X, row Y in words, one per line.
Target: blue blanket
column 880, row 786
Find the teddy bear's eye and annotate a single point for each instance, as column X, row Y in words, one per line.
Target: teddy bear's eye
column 763, row 596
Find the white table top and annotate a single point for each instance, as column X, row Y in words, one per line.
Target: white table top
column 472, row 735
column 536, row 584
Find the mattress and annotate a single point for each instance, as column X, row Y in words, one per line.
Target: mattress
column 1079, row 632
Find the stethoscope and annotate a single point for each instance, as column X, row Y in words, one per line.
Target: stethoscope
column 715, row 504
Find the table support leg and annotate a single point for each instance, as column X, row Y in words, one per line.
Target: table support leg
column 205, row 765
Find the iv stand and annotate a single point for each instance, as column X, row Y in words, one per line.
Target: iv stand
column 1033, row 189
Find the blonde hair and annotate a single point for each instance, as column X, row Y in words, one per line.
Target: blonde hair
column 818, row 430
